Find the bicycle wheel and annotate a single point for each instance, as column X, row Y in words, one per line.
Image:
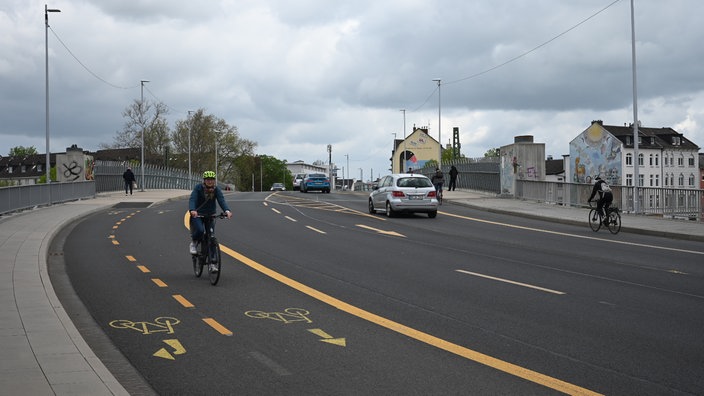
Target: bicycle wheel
column 614, row 222
column 215, row 260
column 594, row 224
column 197, row 264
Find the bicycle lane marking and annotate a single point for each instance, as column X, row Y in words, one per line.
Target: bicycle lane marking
column 506, row 367
column 570, row 235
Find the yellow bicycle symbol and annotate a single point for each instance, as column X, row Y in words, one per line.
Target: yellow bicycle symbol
column 162, row 324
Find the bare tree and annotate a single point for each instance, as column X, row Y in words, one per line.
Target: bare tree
column 144, row 117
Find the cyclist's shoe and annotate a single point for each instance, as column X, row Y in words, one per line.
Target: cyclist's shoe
column 213, row 268
column 193, row 248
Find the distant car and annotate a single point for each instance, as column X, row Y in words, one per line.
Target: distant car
column 315, row 182
column 404, row 193
column 297, row 181
column 278, row 187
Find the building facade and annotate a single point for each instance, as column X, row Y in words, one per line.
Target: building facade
column 665, row 157
column 415, row 151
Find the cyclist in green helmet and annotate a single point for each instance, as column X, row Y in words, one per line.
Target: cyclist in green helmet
column 202, row 202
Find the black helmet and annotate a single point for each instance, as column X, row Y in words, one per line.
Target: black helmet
column 597, row 177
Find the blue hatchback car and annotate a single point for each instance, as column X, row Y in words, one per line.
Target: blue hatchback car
column 315, row 182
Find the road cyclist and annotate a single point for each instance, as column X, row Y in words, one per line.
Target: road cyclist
column 202, row 208
column 438, row 179
column 603, row 213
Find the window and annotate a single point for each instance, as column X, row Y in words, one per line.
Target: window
column 681, row 180
column 629, row 159
column 657, row 160
column 691, row 180
column 657, row 180
column 641, row 180
column 629, row 179
column 691, row 161
column 9, row 169
column 39, row 168
column 23, row 168
column 652, row 180
column 640, row 159
column 651, row 160
column 680, row 161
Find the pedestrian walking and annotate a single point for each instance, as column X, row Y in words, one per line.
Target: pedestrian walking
column 128, row 176
column 453, row 179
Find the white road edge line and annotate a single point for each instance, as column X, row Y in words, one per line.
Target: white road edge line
column 511, row 282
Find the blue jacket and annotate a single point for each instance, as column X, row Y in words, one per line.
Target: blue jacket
column 200, row 203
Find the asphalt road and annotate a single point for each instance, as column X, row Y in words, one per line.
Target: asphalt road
column 319, row 297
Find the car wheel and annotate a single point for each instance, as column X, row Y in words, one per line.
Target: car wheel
column 371, row 207
column 389, row 211
column 432, row 215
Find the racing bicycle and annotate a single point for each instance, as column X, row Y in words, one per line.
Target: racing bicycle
column 208, row 250
column 613, row 216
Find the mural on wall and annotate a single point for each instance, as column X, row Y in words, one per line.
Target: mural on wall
column 596, row 152
column 509, row 168
column 420, row 148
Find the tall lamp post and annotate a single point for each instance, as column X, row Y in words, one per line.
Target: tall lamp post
column 403, row 165
column 141, row 114
column 190, row 126
column 439, row 126
column 47, row 10
column 636, row 164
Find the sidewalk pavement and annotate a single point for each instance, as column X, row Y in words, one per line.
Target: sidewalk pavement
column 43, row 353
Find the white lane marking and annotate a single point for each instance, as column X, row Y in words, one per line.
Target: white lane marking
column 276, row 210
column 511, row 282
column 572, row 235
column 291, row 218
column 316, row 230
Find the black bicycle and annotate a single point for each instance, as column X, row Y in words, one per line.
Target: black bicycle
column 613, row 219
column 208, row 250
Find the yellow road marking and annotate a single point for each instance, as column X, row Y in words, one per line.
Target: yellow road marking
column 115, row 242
column 159, row 282
column 467, row 353
column 182, row 300
column 114, row 227
column 217, row 326
column 316, row 230
column 131, row 258
column 392, row 233
column 143, row 268
column 570, row 235
column 511, row 282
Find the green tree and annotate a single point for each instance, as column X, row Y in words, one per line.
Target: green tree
column 21, row 151
column 207, row 133
column 492, row 153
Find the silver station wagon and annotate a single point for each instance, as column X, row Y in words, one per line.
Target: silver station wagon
column 404, row 193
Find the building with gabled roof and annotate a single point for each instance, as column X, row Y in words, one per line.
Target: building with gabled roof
column 666, row 158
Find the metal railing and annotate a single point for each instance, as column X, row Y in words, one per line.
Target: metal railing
column 676, row 203
column 108, row 177
column 16, row 198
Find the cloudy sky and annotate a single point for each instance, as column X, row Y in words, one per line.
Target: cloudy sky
column 297, row 75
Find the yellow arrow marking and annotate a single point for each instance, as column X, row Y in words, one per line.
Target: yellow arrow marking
column 176, row 345
column 392, row 233
column 328, row 338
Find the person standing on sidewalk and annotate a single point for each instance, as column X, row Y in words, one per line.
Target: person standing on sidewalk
column 129, row 178
column 453, row 179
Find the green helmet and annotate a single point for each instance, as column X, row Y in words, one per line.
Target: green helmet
column 208, row 175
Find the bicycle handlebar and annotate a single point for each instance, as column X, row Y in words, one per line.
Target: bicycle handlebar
column 212, row 216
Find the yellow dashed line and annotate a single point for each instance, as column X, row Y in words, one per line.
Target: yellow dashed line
column 182, row 300
column 217, row 326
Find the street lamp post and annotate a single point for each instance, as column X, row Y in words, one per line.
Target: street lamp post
column 141, row 114
column 403, row 166
column 636, row 164
column 47, row 10
column 439, row 126
column 190, row 126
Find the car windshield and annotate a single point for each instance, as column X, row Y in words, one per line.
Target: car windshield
column 316, row 175
column 414, row 182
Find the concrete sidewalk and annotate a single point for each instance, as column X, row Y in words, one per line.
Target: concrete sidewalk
column 43, row 353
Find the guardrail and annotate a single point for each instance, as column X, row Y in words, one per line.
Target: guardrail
column 18, row 198
column 676, row 203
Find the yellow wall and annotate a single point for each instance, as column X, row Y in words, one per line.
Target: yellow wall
column 421, row 148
